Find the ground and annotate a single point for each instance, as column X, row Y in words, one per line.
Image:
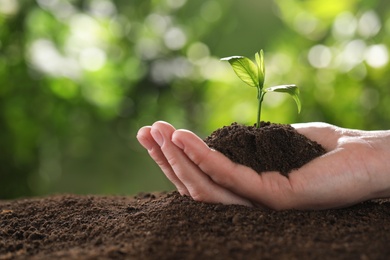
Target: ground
column 169, row 226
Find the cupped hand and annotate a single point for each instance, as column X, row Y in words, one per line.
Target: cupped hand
column 355, row 168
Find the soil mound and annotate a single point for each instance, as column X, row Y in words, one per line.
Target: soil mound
column 272, row 147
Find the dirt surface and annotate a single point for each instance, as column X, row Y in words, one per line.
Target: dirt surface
column 168, row 226
column 272, row 147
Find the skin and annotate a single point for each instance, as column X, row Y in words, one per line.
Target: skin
column 355, row 168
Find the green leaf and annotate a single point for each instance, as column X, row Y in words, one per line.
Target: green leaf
column 260, row 66
column 245, row 69
column 293, row 90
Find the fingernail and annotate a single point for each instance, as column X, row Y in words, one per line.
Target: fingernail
column 158, row 137
column 144, row 142
column 177, row 143
column 147, row 145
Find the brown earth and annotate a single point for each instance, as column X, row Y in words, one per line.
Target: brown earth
column 169, row 226
column 271, row 147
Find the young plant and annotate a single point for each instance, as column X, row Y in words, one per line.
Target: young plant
column 253, row 74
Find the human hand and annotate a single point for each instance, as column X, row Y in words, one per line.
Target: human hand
column 355, row 168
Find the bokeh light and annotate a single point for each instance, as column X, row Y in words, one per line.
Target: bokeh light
column 79, row 78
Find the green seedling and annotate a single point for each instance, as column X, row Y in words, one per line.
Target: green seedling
column 253, row 74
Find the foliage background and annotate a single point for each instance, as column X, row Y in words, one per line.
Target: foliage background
column 79, row 78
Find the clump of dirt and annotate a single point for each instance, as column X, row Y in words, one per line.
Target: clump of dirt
column 271, row 147
column 170, row 226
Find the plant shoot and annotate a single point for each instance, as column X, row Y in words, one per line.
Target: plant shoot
column 253, row 74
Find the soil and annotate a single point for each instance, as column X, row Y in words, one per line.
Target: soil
column 169, row 226
column 271, row 147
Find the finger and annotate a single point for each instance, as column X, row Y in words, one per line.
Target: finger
column 147, row 141
column 198, row 184
column 325, row 134
column 240, row 179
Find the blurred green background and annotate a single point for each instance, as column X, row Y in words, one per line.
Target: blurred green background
column 79, row 78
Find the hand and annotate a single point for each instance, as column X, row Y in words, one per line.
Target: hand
column 355, row 168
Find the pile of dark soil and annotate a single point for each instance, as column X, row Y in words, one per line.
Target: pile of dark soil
column 271, row 147
column 168, row 226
